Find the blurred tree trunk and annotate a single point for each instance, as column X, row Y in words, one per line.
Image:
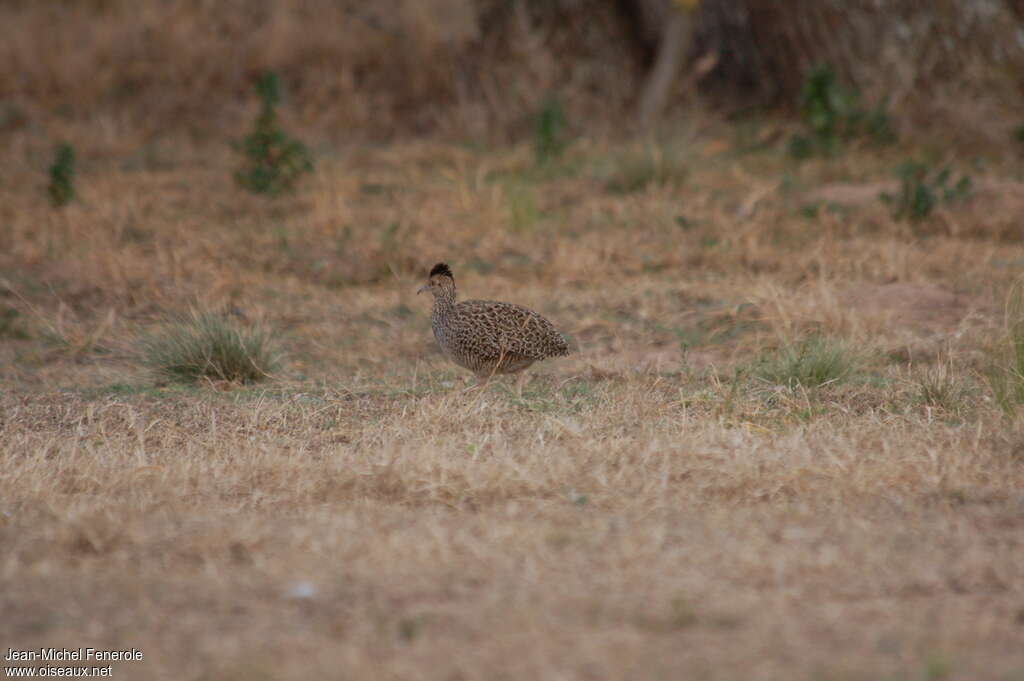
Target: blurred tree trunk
column 664, row 29
column 672, row 49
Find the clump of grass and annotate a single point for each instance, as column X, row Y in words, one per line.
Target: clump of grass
column 833, row 115
column 942, row 388
column 549, row 136
column 62, row 173
column 275, row 161
column 637, row 170
column 208, row 345
column 922, row 189
column 1006, row 375
column 811, row 363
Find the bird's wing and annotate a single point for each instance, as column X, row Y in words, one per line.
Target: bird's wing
column 507, row 329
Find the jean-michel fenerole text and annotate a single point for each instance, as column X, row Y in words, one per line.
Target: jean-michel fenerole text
column 63, row 654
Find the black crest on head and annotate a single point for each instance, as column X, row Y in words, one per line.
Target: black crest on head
column 441, row 268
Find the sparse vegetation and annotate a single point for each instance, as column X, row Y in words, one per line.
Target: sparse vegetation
column 62, row 174
column 922, row 190
column 687, row 495
column 652, row 165
column 942, row 386
column 368, row 447
column 549, row 132
column 523, row 209
column 810, row 363
column 274, row 160
column 834, row 116
column 211, row 346
column 1006, row 375
column 671, row 427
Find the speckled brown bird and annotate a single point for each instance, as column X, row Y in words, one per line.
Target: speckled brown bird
column 489, row 337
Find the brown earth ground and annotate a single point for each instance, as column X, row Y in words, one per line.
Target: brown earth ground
column 644, row 511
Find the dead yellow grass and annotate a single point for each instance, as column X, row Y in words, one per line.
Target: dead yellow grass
column 639, row 513
column 351, row 70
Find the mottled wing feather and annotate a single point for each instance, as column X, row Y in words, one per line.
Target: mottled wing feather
column 495, row 329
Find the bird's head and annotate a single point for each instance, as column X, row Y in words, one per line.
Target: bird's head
column 440, row 281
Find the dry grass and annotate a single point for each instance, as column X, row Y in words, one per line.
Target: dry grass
column 351, row 70
column 643, row 511
column 103, row 71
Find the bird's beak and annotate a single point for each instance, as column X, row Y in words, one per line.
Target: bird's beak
column 421, row 289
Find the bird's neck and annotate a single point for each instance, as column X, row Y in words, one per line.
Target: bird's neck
column 444, row 301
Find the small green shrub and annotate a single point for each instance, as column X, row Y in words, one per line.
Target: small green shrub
column 549, row 134
column 62, row 174
column 208, row 345
column 274, row 161
column 833, row 116
column 811, row 363
column 921, row 190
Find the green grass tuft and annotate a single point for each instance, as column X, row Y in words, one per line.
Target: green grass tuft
column 62, row 174
column 549, row 135
column 10, row 324
column 1006, row 375
column 524, row 211
column 206, row 345
column 811, row 363
column 942, row 387
column 638, row 169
